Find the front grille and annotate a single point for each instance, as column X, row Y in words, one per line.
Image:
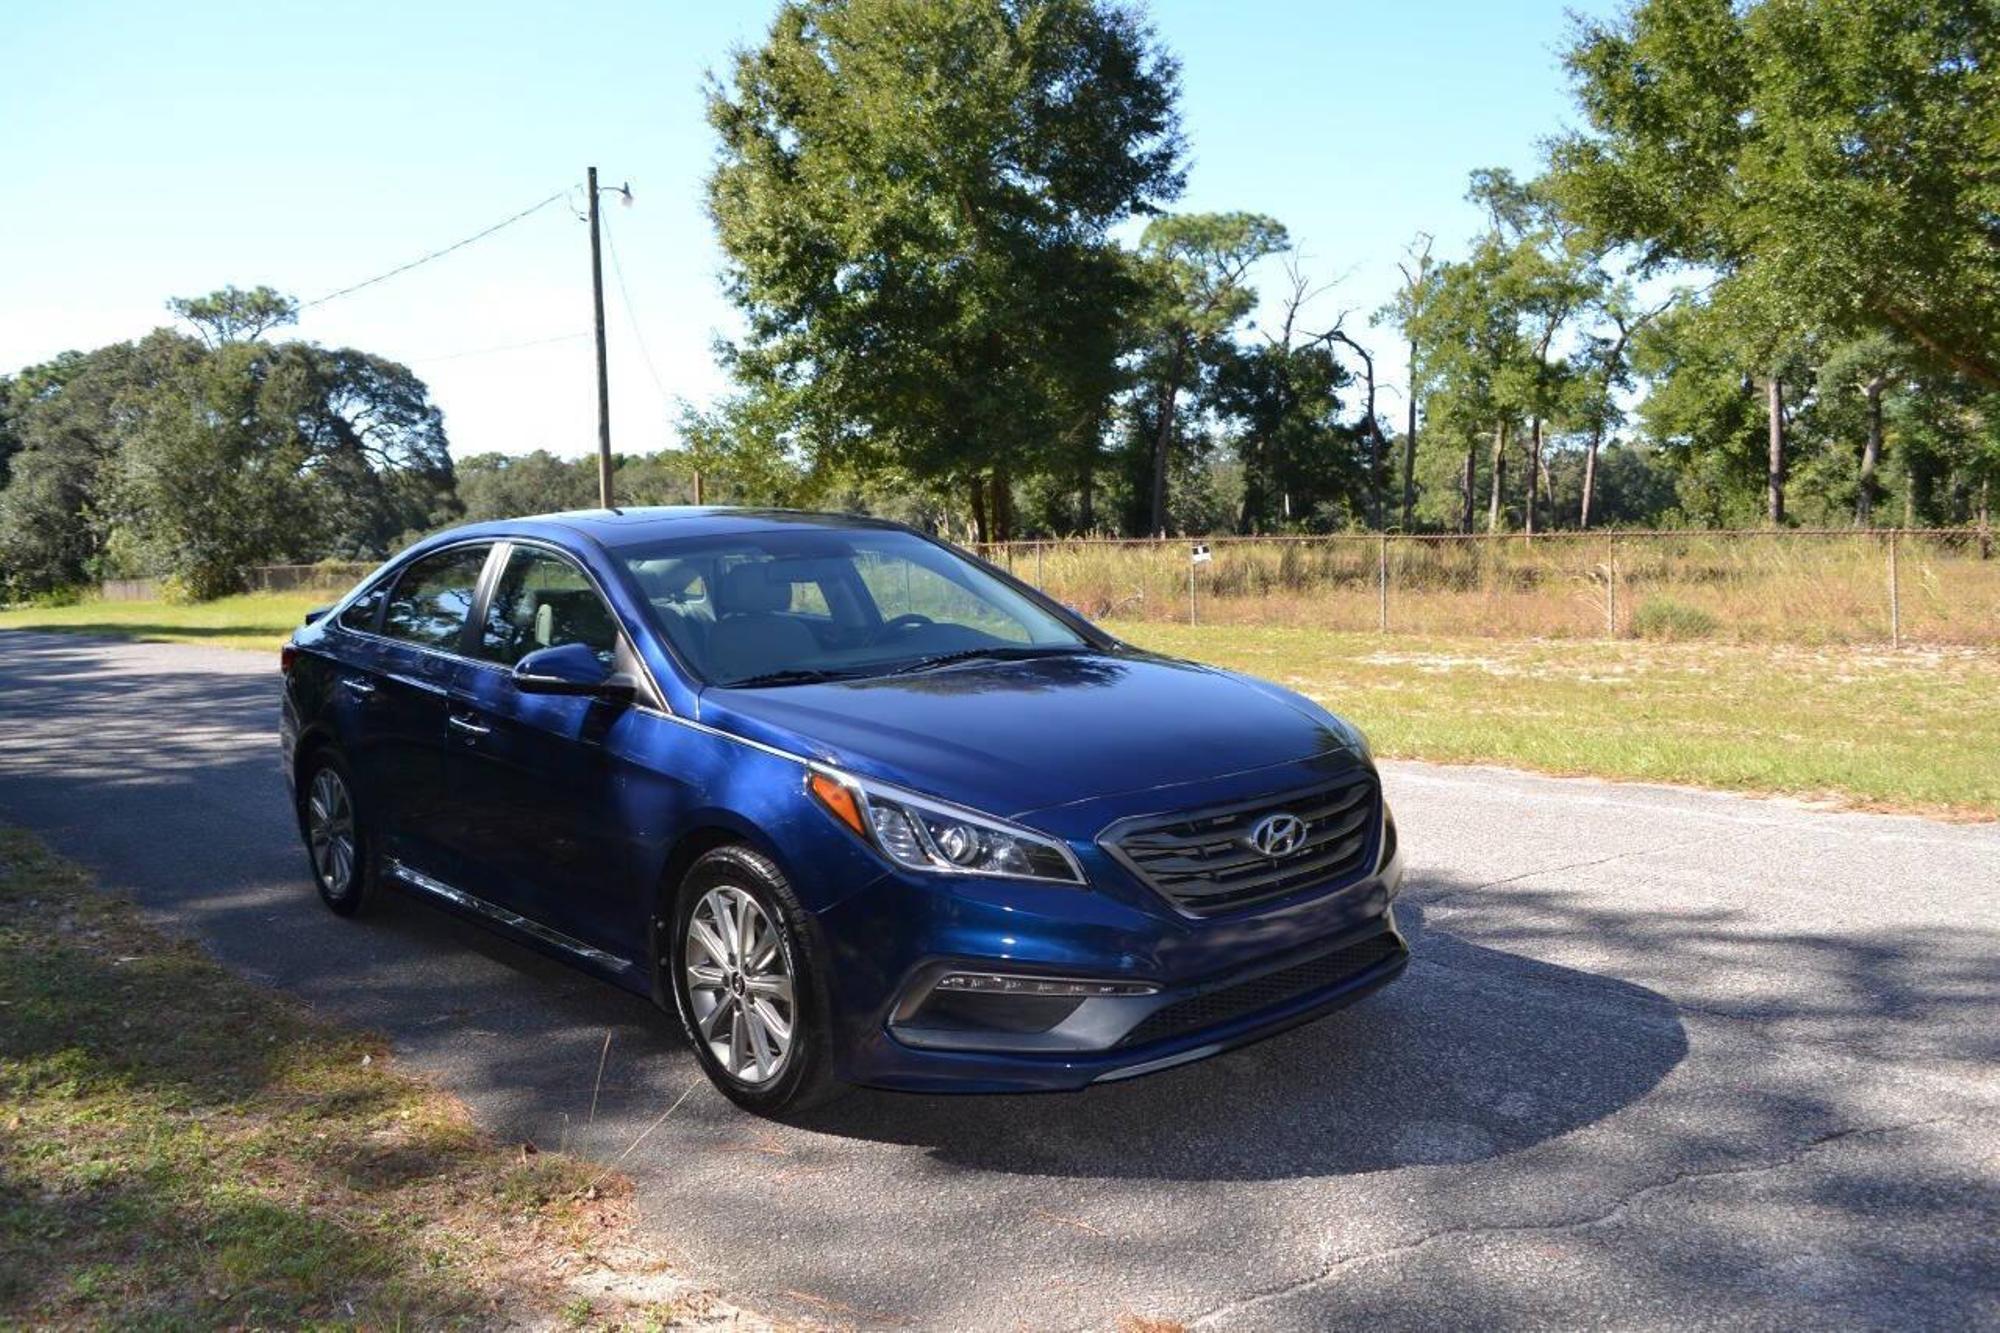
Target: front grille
column 1225, row 1004
column 1203, row 861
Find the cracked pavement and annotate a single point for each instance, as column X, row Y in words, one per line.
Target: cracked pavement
column 1663, row 1059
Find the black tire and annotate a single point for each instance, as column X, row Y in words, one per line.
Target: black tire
column 803, row 1078
column 347, row 885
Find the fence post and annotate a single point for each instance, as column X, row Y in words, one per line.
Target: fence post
column 1382, row 585
column 1611, row 599
column 1193, row 619
column 1038, row 564
column 1895, row 593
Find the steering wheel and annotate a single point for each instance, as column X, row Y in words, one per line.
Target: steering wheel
column 908, row 620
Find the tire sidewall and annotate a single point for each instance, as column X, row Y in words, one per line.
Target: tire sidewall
column 357, row 894
column 805, row 1077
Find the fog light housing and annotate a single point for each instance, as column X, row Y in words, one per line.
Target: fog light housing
column 1001, row 1004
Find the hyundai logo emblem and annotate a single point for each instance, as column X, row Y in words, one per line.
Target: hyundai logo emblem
column 1278, row 835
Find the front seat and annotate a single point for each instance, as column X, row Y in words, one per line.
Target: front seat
column 752, row 634
column 575, row 616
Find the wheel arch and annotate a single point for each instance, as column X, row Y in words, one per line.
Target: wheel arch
column 311, row 742
column 713, row 829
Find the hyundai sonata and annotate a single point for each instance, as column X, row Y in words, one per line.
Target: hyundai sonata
column 855, row 806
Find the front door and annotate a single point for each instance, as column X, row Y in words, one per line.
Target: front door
column 548, row 833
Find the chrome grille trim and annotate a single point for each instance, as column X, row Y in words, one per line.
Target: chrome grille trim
column 1199, row 860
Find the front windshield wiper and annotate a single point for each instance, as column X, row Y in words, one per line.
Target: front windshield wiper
column 998, row 653
column 791, row 676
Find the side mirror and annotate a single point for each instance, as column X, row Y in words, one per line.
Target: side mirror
column 569, row 668
column 317, row 614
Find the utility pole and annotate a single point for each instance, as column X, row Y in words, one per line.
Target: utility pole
column 603, row 381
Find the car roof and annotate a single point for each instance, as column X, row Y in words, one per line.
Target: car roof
column 642, row 525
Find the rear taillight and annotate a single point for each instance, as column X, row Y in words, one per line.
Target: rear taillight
column 286, row 656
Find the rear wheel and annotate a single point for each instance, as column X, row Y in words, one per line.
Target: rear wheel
column 336, row 840
column 747, row 984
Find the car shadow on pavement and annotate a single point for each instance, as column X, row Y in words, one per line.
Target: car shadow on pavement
column 1472, row 1054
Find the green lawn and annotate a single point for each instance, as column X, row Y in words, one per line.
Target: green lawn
column 182, row 1149
column 1915, row 729
column 256, row 620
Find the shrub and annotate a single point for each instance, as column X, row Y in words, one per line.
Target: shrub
column 1663, row 618
column 63, row 595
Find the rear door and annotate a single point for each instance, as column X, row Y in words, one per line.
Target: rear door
column 417, row 658
column 547, row 835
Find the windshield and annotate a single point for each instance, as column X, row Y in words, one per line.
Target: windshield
column 783, row 607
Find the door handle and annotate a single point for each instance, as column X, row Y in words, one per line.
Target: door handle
column 357, row 686
column 467, row 726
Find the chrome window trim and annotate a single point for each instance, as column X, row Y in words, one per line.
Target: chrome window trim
column 496, row 564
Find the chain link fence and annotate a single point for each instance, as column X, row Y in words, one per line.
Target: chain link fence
column 1803, row 586
column 1794, row 585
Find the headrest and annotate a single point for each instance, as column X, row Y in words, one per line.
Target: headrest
column 749, row 588
column 572, row 615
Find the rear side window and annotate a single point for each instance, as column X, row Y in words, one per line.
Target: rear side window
column 433, row 598
column 544, row 601
column 362, row 611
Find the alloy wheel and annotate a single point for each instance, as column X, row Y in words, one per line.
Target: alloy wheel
column 330, row 831
column 739, row 985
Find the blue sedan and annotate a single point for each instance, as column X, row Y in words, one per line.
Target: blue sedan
column 855, row 806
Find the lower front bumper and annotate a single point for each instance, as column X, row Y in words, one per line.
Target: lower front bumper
column 1143, row 1036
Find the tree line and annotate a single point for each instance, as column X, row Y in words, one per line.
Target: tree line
column 195, row 454
column 1759, row 283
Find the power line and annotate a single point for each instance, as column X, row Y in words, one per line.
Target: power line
column 435, row 254
column 632, row 318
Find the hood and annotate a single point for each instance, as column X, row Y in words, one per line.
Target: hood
column 1012, row 737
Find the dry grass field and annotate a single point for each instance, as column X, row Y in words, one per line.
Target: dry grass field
column 1797, row 587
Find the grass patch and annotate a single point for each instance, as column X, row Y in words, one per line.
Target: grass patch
column 1915, row 729
column 253, row 620
column 181, row 1149
column 1664, row 618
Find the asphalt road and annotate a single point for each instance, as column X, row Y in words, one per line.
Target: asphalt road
column 1663, row 1059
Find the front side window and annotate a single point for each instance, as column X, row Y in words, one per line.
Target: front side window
column 362, row 611
column 433, row 598
column 544, row 601
column 790, row 605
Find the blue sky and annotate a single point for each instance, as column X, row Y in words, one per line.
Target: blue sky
column 160, row 150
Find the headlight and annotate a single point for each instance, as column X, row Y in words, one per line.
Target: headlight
column 921, row 834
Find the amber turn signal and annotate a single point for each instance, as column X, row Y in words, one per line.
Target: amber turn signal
column 836, row 796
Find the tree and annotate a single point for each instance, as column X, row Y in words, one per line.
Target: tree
column 1548, row 275
column 915, row 198
column 1198, row 266
column 1871, row 365
column 70, row 417
column 192, row 459
column 1403, row 312
column 1300, row 466
column 1470, row 328
column 1605, row 369
column 207, row 484
column 234, row 315
column 1834, row 158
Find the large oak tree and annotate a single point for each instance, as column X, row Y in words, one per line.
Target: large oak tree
column 915, row 198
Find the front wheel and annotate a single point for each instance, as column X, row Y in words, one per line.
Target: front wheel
column 747, row 984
